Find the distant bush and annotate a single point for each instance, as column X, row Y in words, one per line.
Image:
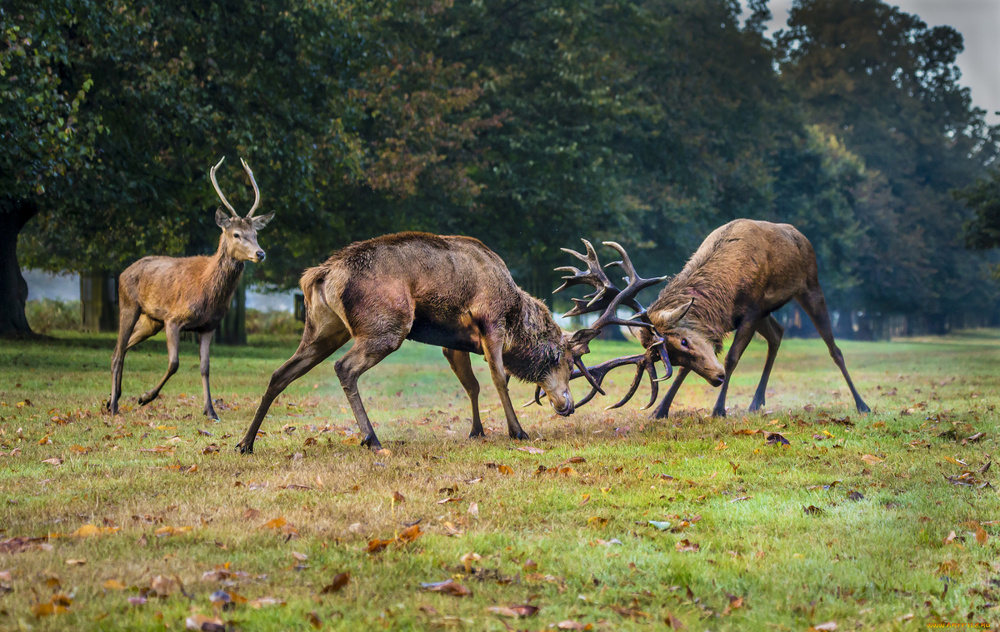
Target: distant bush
column 273, row 322
column 49, row 315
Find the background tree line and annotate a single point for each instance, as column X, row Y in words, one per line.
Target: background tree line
column 527, row 124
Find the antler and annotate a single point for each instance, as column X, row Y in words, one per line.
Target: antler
column 215, row 183
column 609, row 298
column 256, row 191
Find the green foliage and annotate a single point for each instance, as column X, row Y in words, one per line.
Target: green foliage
column 48, row 315
column 273, row 322
column 527, row 125
column 983, row 197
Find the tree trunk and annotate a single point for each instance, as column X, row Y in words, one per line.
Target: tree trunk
column 99, row 301
column 14, row 214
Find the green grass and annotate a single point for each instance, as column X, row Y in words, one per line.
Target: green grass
column 762, row 561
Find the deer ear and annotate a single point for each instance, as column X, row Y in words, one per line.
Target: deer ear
column 261, row 222
column 222, row 218
column 668, row 319
column 579, row 342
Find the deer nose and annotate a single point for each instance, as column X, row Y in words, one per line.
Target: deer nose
column 260, row 255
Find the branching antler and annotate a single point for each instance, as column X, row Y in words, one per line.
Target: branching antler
column 256, row 191
column 607, row 298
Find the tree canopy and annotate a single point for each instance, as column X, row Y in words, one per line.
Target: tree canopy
column 526, row 124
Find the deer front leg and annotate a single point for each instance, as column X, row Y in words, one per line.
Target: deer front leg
column 173, row 331
column 493, row 350
column 664, row 408
column 772, row 332
column 462, row 366
column 204, row 341
column 742, row 337
column 312, row 350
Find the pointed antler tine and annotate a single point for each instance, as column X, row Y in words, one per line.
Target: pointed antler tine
column 256, row 191
column 215, row 183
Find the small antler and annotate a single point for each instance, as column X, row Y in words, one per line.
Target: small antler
column 256, row 191
column 215, row 183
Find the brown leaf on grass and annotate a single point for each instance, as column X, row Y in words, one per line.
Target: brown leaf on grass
column 250, row 514
column 58, row 604
column 56, row 461
column 314, row 620
column 596, row 521
column 673, row 622
column 530, row 449
column 686, row 545
column 570, row 624
column 871, row 459
column 89, row 530
column 385, row 452
column 260, row 602
column 302, row 557
column 163, row 586
column 629, row 613
column 955, row 461
column 339, row 581
column 445, row 501
column 448, row 587
column 398, row 498
column 376, row 545
column 204, row 623
column 210, row 449
column 950, row 539
column 812, row 510
column 735, row 603
column 113, row 584
column 79, row 449
column 468, row 559
column 165, row 449
column 506, row 470
column 567, row 471
column 474, row 509
column 274, row 524
column 829, row 626
column 168, row 530
column 586, row 499
column 773, row 438
column 747, row 431
column 976, row 437
column 514, row 612
column 410, row 533
column 76, row 562
column 981, row 536
column 721, row 445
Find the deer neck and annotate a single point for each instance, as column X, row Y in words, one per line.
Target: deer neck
column 225, row 272
column 534, row 342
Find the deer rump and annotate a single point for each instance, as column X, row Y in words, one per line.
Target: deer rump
column 448, row 291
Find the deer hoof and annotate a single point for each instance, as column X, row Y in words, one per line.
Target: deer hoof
column 755, row 406
column 477, row 434
column 520, row 435
column 212, row 415
column 863, row 408
column 719, row 412
column 244, row 449
column 371, row 441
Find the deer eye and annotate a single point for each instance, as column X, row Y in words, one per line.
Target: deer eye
column 236, row 235
column 684, row 342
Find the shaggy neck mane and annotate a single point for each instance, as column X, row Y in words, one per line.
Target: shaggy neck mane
column 533, row 346
column 703, row 280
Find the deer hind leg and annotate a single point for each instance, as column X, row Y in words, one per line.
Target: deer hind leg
column 128, row 317
column 204, row 341
column 315, row 347
column 814, row 304
column 462, row 366
column 173, row 331
column 493, row 350
column 366, row 353
column 742, row 337
column 664, row 408
column 772, row 331
column 143, row 329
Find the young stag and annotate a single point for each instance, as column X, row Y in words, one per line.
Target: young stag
column 739, row 275
column 452, row 292
column 185, row 294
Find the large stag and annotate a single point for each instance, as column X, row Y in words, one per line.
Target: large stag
column 451, row 292
column 185, row 294
column 739, row 275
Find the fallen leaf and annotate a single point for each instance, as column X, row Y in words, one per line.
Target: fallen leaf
column 274, row 523
column 662, row 526
column 530, row 449
column 687, row 546
column 829, row 626
column 398, row 498
column 53, row 461
column 76, row 562
column 313, row 618
column 113, row 584
column 515, row 612
column 981, row 536
column 204, row 623
column 339, row 581
column 448, row 587
column 506, row 470
column 569, row 624
column 871, row 459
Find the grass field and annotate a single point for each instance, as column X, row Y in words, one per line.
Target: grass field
column 603, row 521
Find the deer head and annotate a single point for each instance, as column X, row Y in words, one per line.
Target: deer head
column 606, row 298
column 239, row 234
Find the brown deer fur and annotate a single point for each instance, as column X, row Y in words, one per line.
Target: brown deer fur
column 451, row 292
column 183, row 294
column 739, row 275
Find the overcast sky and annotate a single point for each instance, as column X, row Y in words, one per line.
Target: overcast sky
column 979, row 23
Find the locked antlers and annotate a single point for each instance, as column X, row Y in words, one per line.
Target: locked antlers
column 607, row 298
